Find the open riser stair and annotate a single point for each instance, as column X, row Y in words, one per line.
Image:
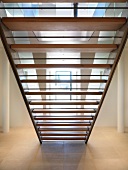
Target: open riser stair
column 64, row 65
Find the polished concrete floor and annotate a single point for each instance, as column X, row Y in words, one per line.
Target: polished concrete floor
column 106, row 150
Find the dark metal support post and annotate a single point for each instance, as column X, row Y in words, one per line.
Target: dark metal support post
column 119, row 52
column 75, row 9
column 9, row 55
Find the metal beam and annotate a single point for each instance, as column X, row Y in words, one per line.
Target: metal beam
column 63, row 58
column 80, row 66
column 65, row 37
column 75, row 7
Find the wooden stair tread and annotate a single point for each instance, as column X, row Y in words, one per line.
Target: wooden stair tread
column 63, row 47
column 63, row 23
column 63, row 129
column 63, row 111
column 63, row 81
column 63, row 93
column 63, row 118
column 59, row 116
column 63, row 103
column 50, row 134
column 63, row 124
column 63, row 138
column 43, row 66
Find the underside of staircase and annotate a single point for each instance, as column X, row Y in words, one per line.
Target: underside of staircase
column 64, row 65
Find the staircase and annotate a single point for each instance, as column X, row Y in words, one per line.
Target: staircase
column 64, row 94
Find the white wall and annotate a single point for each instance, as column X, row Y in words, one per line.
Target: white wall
column 125, row 53
column 108, row 114
column 18, row 112
column 1, row 86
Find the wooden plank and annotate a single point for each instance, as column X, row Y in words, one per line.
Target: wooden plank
column 59, row 116
column 50, row 134
column 63, row 138
column 63, row 129
column 62, row 118
column 63, row 81
column 47, row 66
column 63, row 111
column 63, row 124
column 63, row 47
column 63, row 93
column 63, row 23
column 63, row 103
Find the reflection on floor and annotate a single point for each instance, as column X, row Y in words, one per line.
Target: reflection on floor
column 106, row 150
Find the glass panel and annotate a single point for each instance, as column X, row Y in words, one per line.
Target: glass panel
column 66, row 37
column 65, row 9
